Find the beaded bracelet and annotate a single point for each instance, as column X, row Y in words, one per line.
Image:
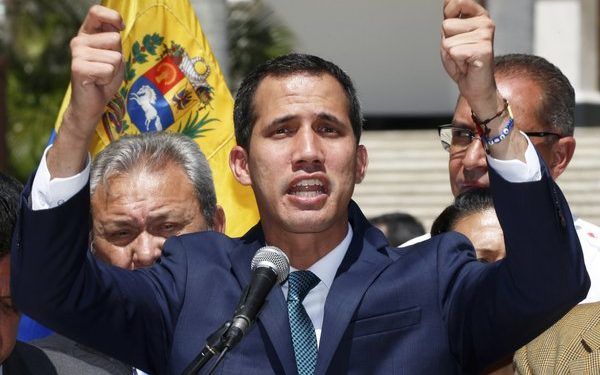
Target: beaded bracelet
column 503, row 133
column 487, row 142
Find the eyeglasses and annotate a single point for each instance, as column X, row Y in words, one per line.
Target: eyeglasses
column 543, row 134
column 456, row 139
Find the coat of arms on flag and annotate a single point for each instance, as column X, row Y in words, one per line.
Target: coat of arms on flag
column 170, row 81
column 173, row 83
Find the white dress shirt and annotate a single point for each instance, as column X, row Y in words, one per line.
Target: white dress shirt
column 589, row 238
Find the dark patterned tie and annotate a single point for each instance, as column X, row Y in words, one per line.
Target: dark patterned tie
column 303, row 332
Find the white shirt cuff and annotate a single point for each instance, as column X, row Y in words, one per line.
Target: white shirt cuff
column 49, row 193
column 517, row 171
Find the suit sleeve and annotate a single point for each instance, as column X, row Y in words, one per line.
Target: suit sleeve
column 127, row 315
column 493, row 309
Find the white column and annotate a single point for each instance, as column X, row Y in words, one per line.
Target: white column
column 589, row 51
column 514, row 26
column 565, row 33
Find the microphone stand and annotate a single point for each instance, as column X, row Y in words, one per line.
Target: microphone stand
column 215, row 344
column 223, row 339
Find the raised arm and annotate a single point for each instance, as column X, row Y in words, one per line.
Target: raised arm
column 493, row 309
column 96, row 75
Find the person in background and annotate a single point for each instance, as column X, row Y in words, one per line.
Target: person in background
column 144, row 188
column 16, row 357
column 544, row 106
column 398, row 227
column 472, row 214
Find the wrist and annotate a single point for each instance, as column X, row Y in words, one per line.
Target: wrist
column 487, row 107
column 79, row 126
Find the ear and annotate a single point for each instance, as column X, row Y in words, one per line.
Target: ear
column 562, row 153
column 219, row 220
column 362, row 161
column 238, row 162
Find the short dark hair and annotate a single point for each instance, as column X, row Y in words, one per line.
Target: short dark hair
column 400, row 227
column 10, row 190
column 557, row 108
column 470, row 202
column 244, row 115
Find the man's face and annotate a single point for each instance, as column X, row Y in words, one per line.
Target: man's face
column 134, row 213
column 303, row 160
column 468, row 169
column 484, row 231
column 9, row 317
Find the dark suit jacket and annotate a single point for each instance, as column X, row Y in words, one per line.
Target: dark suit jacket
column 26, row 359
column 426, row 309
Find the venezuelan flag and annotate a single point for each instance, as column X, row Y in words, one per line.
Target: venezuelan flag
column 173, row 83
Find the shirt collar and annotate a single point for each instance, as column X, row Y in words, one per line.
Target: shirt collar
column 326, row 267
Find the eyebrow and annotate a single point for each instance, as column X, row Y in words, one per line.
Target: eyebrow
column 280, row 121
column 321, row 116
column 331, row 118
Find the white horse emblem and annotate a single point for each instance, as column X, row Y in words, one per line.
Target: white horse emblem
column 145, row 97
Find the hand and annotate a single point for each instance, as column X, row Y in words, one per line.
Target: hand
column 97, row 65
column 96, row 74
column 468, row 54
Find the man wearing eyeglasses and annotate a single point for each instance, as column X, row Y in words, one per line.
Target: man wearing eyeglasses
column 543, row 104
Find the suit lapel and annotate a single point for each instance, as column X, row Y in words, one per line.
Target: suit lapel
column 273, row 315
column 361, row 265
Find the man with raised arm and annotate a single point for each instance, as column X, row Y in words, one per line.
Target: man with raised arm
column 351, row 304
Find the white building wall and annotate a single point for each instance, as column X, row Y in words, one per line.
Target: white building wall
column 566, row 33
column 514, row 26
column 390, row 49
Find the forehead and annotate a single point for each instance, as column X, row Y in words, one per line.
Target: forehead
column 276, row 94
column 525, row 97
column 169, row 183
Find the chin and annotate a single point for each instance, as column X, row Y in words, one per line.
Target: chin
column 307, row 222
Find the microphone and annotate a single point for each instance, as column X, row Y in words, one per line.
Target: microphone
column 269, row 265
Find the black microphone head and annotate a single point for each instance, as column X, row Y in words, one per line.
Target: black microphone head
column 272, row 257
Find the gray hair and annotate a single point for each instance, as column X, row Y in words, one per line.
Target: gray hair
column 557, row 108
column 153, row 151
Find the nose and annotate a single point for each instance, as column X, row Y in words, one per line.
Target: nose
column 474, row 157
column 307, row 148
column 146, row 250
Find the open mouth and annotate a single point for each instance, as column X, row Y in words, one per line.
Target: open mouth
column 308, row 188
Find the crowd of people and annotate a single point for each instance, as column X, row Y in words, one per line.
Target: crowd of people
column 125, row 260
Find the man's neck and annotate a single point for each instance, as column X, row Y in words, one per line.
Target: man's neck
column 305, row 249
